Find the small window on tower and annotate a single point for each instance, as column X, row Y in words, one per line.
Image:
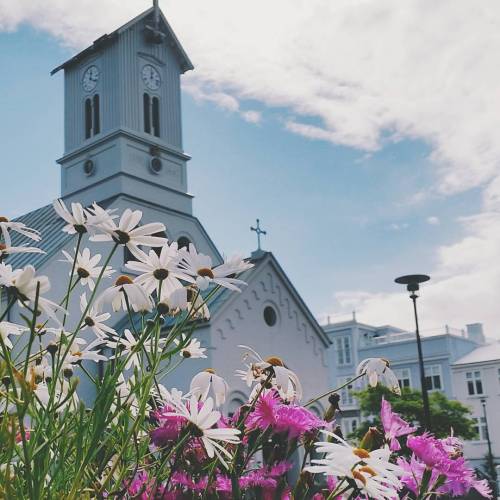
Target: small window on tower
column 147, row 113
column 156, row 116
column 97, row 117
column 88, row 118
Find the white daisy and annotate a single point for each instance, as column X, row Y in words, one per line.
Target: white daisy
column 6, row 250
column 191, row 349
column 156, row 269
column 204, row 381
column 200, row 267
column 86, row 267
column 124, row 346
column 202, row 419
column 372, row 471
column 377, row 370
column 7, row 329
column 185, row 299
column 18, row 227
column 23, row 283
column 123, row 289
column 284, row 380
column 76, row 219
column 128, row 232
column 95, row 320
column 88, row 353
column 60, row 397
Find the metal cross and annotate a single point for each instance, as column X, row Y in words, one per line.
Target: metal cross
column 259, row 231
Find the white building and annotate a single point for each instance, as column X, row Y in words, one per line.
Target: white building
column 476, row 383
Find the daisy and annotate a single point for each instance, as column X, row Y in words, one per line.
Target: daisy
column 185, row 299
column 80, row 220
column 377, row 370
column 76, row 355
column 123, row 289
column 191, row 349
column 206, row 380
column 86, row 267
column 6, row 250
column 200, row 267
column 7, row 329
column 23, row 283
column 372, row 471
column 285, row 380
column 159, row 269
column 94, row 320
column 127, row 345
column 18, row 227
column 129, row 233
column 202, row 418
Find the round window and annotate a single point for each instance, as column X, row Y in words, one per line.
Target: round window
column 270, row 316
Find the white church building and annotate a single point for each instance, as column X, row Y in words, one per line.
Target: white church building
column 123, row 148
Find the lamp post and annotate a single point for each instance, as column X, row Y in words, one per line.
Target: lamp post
column 412, row 282
column 491, row 464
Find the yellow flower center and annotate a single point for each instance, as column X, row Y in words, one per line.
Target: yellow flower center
column 357, row 475
column 368, row 470
column 361, row 453
column 3, row 219
column 123, row 280
column 82, row 273
column 205, row 272
column 275, row 361
column 210, row 370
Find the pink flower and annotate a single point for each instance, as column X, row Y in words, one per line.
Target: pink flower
column 295, row 420
column 169, row 429
column 394, row 425
column 427, row 448
column 263, row 415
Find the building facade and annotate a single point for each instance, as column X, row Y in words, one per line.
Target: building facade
column 476, row 380
column 353, row 341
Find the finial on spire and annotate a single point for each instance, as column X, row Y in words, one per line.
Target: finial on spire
column 259, row 231
column 156, row 14
column 154, row 33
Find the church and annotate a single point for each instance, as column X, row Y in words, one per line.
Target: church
column 123, row 149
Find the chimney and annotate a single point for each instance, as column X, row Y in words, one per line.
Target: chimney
column 475, row 332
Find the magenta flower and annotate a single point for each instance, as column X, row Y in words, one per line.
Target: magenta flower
column 263, row 415
column 169, row 429
column 394, row 426
column 295, row 420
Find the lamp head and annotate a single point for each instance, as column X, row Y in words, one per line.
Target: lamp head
column 412, row 281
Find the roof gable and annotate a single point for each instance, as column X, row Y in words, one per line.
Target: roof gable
column 224, row 297
column 184, row 61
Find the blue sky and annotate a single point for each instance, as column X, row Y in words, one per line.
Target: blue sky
column 340, row 218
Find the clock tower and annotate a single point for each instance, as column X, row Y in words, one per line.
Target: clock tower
column 123, row 132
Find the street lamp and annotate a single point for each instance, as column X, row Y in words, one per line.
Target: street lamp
column 491, row 463
column 412, row 282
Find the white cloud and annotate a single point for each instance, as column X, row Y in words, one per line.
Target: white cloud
column 433, row 220
column 398, row 226
column 355, row 73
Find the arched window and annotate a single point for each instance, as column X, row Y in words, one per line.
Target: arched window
column 183, row 242
column 156, row 117
column 147, row 113
column 97, row 115
column 88, row 118
column 92, row 116
column 151, row 109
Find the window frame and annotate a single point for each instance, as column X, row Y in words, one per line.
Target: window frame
column 474, row 382
column 346, row 397
column 480, row 426
column 430, row 368
column 400, row 377
column 341, row 353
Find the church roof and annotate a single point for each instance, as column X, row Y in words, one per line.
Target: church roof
column 50, row 226
column 105, row 39
column 485, row 353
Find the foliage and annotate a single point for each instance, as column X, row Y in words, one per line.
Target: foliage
column 447, row 415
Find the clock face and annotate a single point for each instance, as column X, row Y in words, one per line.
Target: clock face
column 90, row 78
column 151, row 77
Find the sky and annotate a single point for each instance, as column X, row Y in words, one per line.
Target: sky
column 362, row 133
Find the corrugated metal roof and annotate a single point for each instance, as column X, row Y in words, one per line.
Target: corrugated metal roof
column 50, row 226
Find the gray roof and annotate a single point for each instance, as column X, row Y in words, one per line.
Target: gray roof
column 102, row 41
column 50, row 226
column 485, row 353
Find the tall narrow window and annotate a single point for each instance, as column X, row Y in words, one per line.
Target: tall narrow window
column 343, row 348
column 147, row 114
column 474, row 383
column 88, row 118
column 156, row 116
column 433, row 380
column 97, row 116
